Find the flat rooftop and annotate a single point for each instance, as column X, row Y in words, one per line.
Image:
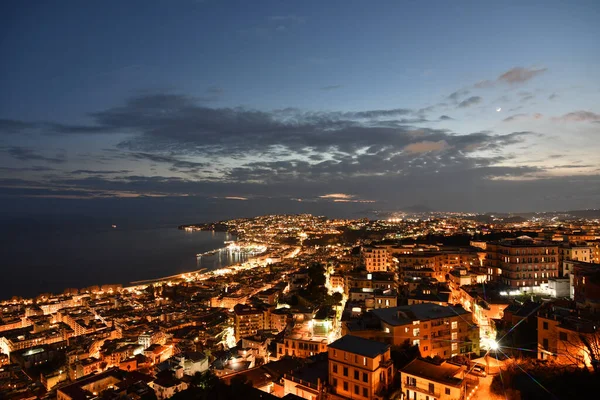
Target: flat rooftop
column 360, row 346
column 443, row 373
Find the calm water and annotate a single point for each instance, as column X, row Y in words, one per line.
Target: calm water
column 39, row 259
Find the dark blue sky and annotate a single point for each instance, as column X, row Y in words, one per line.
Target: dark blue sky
column 463, row 105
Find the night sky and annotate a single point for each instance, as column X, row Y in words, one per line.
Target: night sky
column 454, row 105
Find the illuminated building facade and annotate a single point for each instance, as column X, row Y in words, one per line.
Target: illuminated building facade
column 437, row 330
column 522, row 263
column 359, row 368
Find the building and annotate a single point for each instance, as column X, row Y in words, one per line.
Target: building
column 24, row 338
column 279, row 319
column 191, row 362
column 374, row 298
column 440, row 262
column 359, row 368
column 301, row 346
column 589, row 285
column 575, row 252
column 376, row 258
column 522, row 263
column 585, row 281
column 486, row 305
column 166, row 387
column 462, row 276
column 423, row 380
column 437, row 330
column 568, row 337
column 249, row 320
column 91, row 386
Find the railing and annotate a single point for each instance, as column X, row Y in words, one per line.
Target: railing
column 419, row 389
column 301, row 382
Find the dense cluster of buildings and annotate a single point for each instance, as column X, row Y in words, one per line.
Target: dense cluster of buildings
column 337, row 309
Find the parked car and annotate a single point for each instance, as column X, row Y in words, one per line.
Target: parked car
column 478, row 370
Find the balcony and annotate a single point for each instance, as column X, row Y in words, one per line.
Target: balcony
column 420, row 389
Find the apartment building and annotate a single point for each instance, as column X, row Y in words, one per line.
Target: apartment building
column 359, row 368
column 440, row 262
column 249, row 320
column 437, row 330
column 522, row 263
column 574, row 252
column 376, row 258
column 568, row 337
column 301, row 346
column 428, row 380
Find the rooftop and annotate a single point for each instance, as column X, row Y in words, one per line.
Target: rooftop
column 443, row 373
column 417, row 312
column 361, row 346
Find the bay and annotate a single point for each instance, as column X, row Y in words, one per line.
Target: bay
column 40, row 259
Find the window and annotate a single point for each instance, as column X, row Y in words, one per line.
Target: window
column 366, row 392
column 335, row 368
column 454, row 325
column 345, row 386
column 454, row 335
column 334, row 382
column 562, row 335
column 545, row 344
column 447, row 390
column 345, row 371
column 356, row 389
column 364, row 360
column 431, row 388
column 345, row 356
column 355, row 359
column 334, row 353
column 356, row 374
column 365, row 377
column 545, row 325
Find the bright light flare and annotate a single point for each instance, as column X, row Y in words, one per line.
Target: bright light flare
column 493, row 345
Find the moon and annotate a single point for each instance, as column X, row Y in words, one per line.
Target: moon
column 498, row 109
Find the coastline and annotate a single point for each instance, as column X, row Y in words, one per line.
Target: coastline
column 106, row 258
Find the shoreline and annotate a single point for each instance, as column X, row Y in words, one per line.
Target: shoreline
column 213, row 262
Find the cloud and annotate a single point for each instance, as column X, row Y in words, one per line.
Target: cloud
column 36, row 168
column 484, row 84
column 215, row 90
column 513, row 76
column 455, row 96
column 446, row 118
column 98, row 172
column 238, row 152
column 517, row 117
column 338, row 196
column 235, row 198
column 520, row 75
column 177, row 164
column 11, row 126
column 580, row 116
column 426, row 146
column 553, row 96
column 471, row 101
column 331, row 87
column 28, row 154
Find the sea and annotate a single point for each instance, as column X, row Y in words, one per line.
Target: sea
column 48, row 258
